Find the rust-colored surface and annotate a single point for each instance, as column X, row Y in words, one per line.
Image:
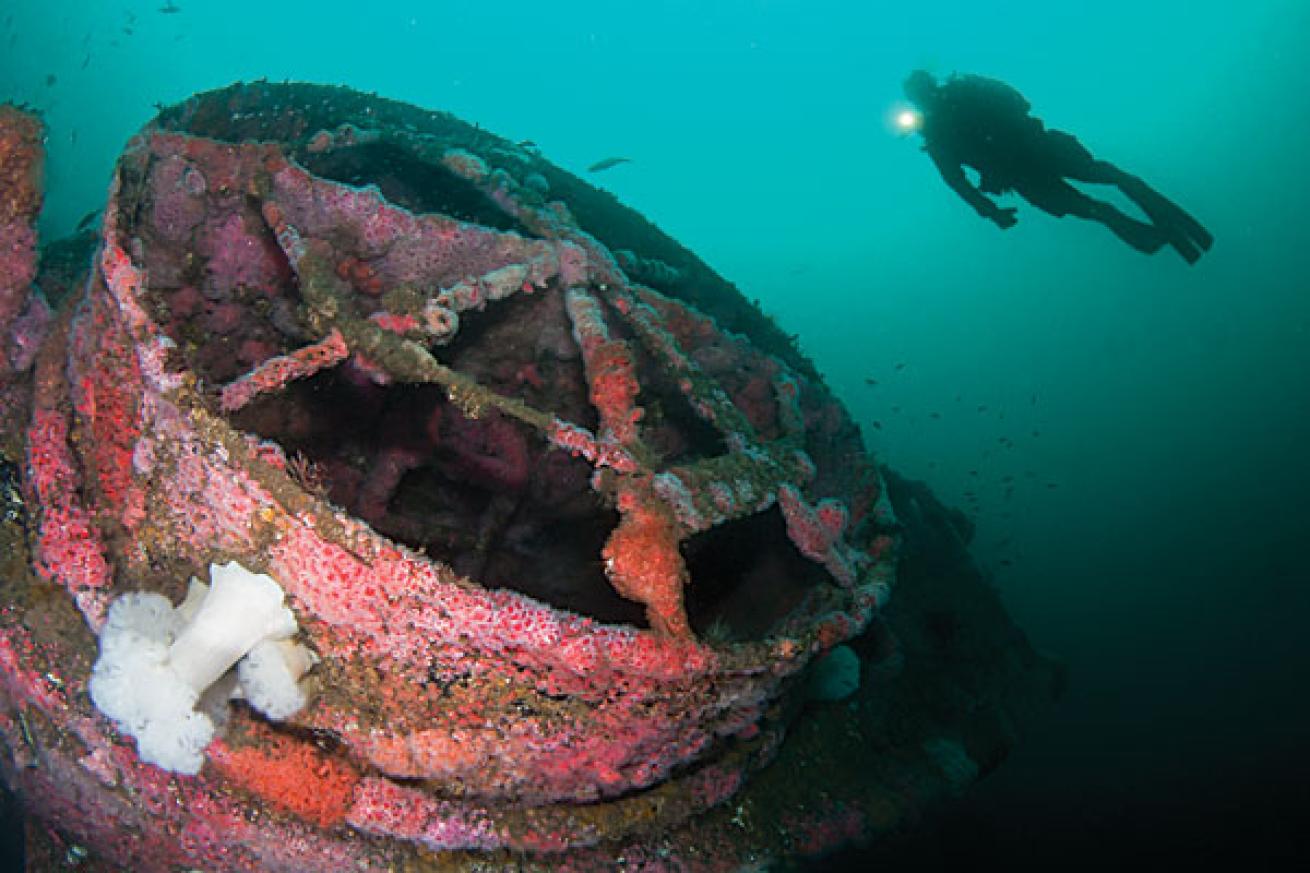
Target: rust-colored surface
column 564, row 520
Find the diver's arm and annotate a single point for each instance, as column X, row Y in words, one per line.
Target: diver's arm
column 953, row 175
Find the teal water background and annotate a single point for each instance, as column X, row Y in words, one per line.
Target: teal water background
column 1156, row 525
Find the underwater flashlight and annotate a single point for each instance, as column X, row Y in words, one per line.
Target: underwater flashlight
column 908, row 121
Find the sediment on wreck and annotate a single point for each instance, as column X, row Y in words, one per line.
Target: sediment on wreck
column 563, row 519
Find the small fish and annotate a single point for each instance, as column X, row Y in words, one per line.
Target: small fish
column 896, row 409
column 877, row 425
column 1006, row 562
column 973, row 472
column 607, row 163
column 128, row 31
column 870, row 381
column 982, row 407
column 50, row 79
column 72, row 136
column 934, row 415
column 1036, row 434
column 170, row 8
column 900, row 365
column 1052, row 485
column 27, row 733
column 86, row 220
column 1034, row 402
column 86, row 60
column 526, row 144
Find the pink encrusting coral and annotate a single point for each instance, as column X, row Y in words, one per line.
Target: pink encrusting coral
column 22, row 157
column 557, row 541
column 273, row 373
column 817, row 532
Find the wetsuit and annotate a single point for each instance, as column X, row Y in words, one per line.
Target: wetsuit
column 972, row 121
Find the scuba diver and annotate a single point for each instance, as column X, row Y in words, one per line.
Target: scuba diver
column 985, row 124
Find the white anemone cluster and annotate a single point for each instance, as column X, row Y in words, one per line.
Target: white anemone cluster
column 157, row 661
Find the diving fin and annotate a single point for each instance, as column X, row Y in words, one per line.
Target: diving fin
column 1187, row 235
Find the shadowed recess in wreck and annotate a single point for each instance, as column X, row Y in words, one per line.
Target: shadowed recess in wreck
column 467, row 484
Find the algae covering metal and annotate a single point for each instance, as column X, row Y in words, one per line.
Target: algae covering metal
column 563, row 519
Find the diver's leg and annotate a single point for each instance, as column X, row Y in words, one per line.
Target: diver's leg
column 1072, row 160
column 1148, row 238
column 1059, row 198
column 1185, row 233
column 1076, row 162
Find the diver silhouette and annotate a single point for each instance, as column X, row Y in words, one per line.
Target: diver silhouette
column 985, row 124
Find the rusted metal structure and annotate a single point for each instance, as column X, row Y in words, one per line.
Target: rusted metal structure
column 562, row 518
